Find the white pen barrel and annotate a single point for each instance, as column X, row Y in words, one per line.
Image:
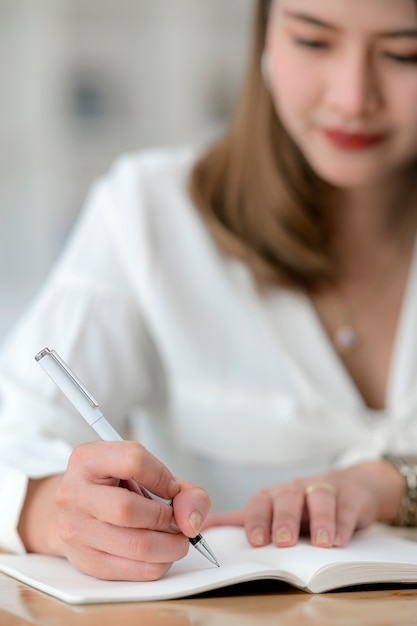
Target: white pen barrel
column 90, row 413
column 105, row 430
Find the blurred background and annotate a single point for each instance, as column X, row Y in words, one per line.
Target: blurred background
column 85, row 80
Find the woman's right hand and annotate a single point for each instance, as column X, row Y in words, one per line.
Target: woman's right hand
column 96, row 516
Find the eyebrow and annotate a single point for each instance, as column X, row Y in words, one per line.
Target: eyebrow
column 408, row 33
column 309, row 19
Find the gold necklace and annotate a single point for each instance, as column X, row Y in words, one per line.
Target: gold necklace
column 345, row 337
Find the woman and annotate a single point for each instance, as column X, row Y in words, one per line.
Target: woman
column 257, row 302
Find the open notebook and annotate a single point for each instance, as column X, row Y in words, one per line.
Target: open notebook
column 371, row 557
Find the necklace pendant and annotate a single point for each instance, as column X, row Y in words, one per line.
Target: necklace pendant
column 345, row 339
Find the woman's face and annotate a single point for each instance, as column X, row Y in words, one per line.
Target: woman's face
column 343, row 76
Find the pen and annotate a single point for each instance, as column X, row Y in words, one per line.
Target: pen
column 88, row 407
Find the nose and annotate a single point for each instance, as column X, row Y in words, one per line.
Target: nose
column 352, row 85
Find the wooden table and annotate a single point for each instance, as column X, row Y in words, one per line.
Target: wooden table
column 260, row 604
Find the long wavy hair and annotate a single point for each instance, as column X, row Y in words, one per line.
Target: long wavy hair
column 262, row 201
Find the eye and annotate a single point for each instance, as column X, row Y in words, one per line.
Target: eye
column 402, row 58
column 316, row 44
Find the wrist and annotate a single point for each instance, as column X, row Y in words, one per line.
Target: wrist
column 387, row 485
column 406, row 468
column 38, row 528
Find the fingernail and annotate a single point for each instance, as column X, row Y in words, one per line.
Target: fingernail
column 173, row 487
column 174, row 527
column 196, row 521
column 337, row 541
column 257, row 537
column 283, row 536
column 322, row 537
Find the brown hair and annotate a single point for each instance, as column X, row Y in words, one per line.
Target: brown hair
column 257, row 192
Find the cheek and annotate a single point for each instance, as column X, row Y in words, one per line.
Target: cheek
column 291, row 94
column 404, row 112
column 407, row 107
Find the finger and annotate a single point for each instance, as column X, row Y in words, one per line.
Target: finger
column 109, row 567
column 348, row 511
column 288, row 507
column 81, row 535
column 321, row 505
column 191, row 506
column 235, row 518
column 119, row 507
column 258, row 519
column 124, row 460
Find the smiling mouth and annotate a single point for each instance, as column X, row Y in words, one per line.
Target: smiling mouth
column 352, row 141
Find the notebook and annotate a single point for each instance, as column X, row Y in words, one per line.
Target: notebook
column 370, row 557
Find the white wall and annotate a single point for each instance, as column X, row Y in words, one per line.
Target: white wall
column 82, row 81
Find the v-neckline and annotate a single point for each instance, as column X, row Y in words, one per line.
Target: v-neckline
column 402, row 377
column 318, row 368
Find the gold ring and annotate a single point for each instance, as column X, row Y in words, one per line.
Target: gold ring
column 320, row 484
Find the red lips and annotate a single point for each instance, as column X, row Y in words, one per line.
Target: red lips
column 352, row 141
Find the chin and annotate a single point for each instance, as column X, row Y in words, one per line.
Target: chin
column 349, row 182
column 349, row 177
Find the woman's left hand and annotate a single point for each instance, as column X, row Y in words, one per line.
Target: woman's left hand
column 329, row 507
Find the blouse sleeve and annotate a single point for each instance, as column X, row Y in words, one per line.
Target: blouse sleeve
column 89, row 312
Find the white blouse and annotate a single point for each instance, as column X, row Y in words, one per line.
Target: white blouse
column 233, row 390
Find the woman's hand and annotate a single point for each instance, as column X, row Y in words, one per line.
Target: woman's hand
column 330, row 507
column 98, row 518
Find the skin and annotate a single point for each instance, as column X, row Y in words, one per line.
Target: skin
column 358, row 75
